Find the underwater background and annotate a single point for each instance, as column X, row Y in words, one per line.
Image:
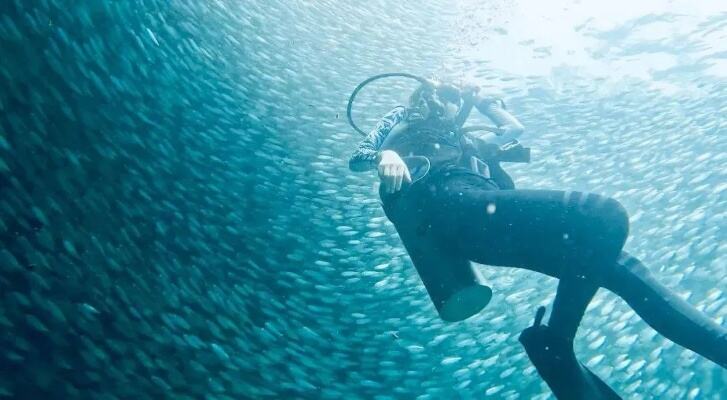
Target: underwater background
column 178, row 219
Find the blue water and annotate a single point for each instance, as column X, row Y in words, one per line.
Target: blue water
column 178, row 219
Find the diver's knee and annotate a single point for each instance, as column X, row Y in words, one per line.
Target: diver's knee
column 616, row 216
column 598, row 207
column 608, row 222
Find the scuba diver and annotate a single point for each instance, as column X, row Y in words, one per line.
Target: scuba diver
column 451, row 202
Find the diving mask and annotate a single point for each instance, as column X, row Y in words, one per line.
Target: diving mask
column 440, row 100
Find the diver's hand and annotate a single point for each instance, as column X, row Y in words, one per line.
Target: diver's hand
column 469, row 91
column 510, row 131
column 392, row 171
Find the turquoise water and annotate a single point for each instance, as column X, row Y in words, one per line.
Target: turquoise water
column 178, row 219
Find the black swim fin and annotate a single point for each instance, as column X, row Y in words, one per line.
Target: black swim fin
column 556, row 362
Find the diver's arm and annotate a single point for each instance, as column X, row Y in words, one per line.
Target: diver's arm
column 509, row 128
column 487, row 146
column 367, row 155
column 468, row 101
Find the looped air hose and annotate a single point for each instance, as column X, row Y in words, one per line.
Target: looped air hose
column 361, row 85
column 516, row 153
column 349, row 108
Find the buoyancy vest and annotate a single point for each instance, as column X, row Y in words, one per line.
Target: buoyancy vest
column 442, row 144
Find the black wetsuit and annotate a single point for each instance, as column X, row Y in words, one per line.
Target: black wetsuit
column 454, row 216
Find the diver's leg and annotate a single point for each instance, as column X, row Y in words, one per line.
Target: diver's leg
column 554, row 359
column 571, row 301
column 553, row 232
column 665, row 311
column 451, row 280
column 572, row 236
column 550, row 348
column 567, row 235
column 575, row 234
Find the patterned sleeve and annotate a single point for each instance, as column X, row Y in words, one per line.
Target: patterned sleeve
column 364, row 158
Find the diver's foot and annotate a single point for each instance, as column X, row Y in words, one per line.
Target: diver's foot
column 555, row 361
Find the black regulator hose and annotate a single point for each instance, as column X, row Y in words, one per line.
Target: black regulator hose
column 369, row 80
